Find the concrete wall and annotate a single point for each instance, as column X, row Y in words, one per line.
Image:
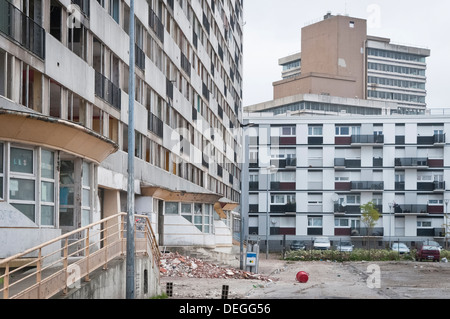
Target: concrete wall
column 111, row 284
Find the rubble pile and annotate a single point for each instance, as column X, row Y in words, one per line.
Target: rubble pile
column 176, row 265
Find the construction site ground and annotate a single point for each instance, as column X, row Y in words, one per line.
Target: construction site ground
column 276, row 279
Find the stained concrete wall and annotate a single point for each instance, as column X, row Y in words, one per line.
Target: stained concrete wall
column 111, row 283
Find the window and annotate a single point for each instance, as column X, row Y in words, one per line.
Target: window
column 47, row 188
column 67, row 193
column 86, row 194
column 315, row 221
column 171, row 208
column 288, row 131
column 342, row 130
column 315, row 131
column 423, row 224
column 114, row 9
column 22, row 188
column 341, row 222
column 282, row 199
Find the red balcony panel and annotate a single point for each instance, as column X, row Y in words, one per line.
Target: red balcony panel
column 287, row 186
column 435, row 162
column 291, row 140
column 435, row 209
column 342, row 186
column 287, row 231
column 342, row 231
column 343, row 140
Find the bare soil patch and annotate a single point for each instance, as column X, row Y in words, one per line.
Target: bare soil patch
column 326, row 280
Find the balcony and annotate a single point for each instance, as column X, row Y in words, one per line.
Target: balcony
column 367, row 185
column 431, row 186
column 283, row 140
column 107, row 91
column 367, row 139
column 284, row 163
column 347, row 163
column 139, row 58
column 156, row 25
column 431, row 140
column 21, row 29
column 287, row 208
column 347, row 209
column 155, row 125
column 411, row 162
column 410, row 209
column 282, row 186
column 253, row 186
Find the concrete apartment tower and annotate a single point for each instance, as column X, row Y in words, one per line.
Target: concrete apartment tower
column 339, row 59
column 64, row 92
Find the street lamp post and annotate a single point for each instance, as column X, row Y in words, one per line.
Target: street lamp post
column 391, row 205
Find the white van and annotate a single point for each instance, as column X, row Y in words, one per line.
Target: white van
column 322, row 243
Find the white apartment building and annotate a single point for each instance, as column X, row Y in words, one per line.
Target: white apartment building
column 325, row 167
column 64, row 71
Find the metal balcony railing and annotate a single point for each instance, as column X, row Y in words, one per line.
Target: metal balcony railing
column 368, row 139
column 107, row 91
column 367, row 185
column 63, row 261
column 411, row 161
column 21, row 29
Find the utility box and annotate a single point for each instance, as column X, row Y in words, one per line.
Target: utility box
column 252, row 258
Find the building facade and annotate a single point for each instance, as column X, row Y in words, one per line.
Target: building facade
column 64, row 70
column 308, row 176
column 338, row 58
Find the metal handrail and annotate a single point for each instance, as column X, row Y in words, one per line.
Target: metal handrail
column 56, row 269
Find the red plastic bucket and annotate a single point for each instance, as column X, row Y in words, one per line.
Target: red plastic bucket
column 302, row 277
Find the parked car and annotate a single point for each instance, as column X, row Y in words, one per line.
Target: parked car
column 298, row 245
column 344, row 246
column 322, row 243
column 428, row 252
column 400, row 247
column 432, row 243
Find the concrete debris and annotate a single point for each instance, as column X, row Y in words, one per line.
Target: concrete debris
column 175, row 265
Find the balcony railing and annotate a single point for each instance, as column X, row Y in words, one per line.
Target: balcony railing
column 156, row 25
column 430, row 186
column 367, row 185
column 367, row 139
column 107, row 91
column 287, row 208
column 411, row 161
column 185, row 64
column 21, row 29
column 410, row 209
column 430, row 140
column 155, row 125
column 348, row 163
column 140, row 58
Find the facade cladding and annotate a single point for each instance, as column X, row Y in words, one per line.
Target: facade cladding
column 64, row 77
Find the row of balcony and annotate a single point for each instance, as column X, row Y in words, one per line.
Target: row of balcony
column 352, row 186
column 398, row 209
column 436, row 139
column 406, row 162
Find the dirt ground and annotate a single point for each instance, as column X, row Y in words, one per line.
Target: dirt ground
column 326, row 280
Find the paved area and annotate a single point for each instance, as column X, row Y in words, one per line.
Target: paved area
column 326, row 280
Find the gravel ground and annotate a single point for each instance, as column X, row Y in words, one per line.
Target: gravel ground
column 326, row 280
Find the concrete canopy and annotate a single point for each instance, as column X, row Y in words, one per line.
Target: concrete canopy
column 37, row 129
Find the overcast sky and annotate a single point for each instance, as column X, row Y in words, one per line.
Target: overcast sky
column 272, row 29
